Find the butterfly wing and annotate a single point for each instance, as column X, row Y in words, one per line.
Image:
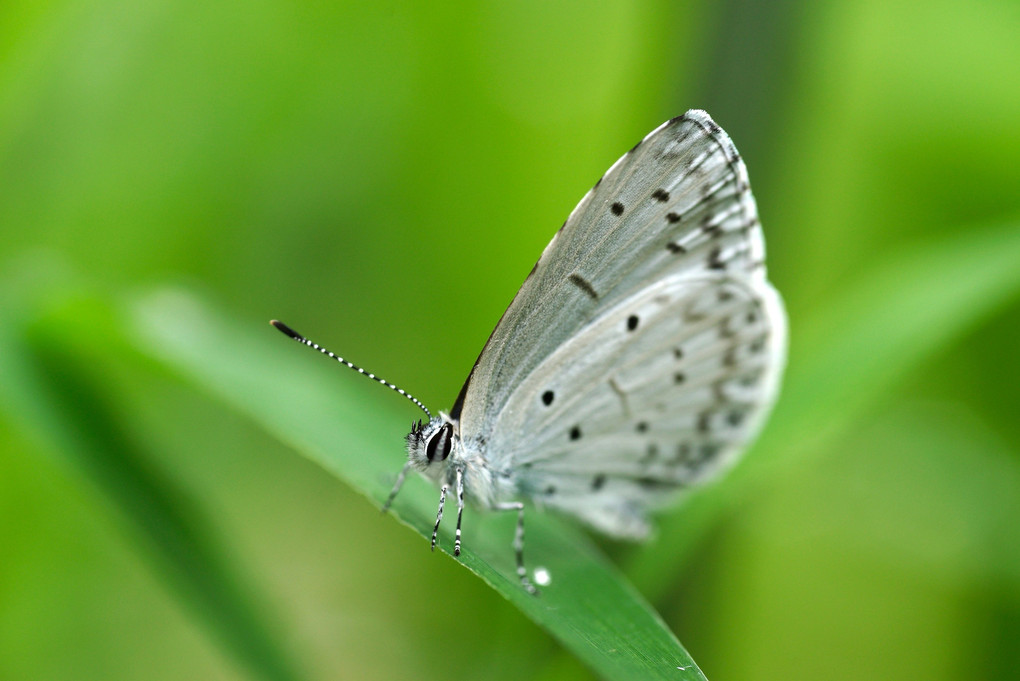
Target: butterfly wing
column 657, row 394
column 674, row 213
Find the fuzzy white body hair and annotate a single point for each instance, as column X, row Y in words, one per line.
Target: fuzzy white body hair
column 488, row 486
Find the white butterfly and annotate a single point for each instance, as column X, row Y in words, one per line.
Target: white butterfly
column 639, row 358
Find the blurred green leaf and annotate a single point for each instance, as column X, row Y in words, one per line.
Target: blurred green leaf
column 889, row 321
column 55, row 376
column 588, row 605
column 387, row 173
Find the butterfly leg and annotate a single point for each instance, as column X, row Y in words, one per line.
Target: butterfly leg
column 439, row 516
column 519, row 543
column 460, row 509
column 396, row 486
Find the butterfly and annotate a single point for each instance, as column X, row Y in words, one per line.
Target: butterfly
column 639, row 358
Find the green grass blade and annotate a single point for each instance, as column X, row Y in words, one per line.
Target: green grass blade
column 350, row 429
column 52, row 381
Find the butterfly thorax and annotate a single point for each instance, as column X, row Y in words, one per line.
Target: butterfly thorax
column 436, row 450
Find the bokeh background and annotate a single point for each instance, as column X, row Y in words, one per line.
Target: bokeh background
column 382, row 176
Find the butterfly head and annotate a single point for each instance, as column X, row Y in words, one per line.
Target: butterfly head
column 429, row 444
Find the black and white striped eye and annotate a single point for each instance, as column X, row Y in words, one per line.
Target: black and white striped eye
column 440, row 444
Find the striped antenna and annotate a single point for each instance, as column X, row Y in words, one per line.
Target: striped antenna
column 286, row 330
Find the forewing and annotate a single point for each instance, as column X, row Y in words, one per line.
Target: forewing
column 678, row 203
column 659, row 393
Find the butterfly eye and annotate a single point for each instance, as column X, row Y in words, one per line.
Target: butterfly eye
column 438, row 447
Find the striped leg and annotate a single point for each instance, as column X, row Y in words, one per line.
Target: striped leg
column 396, row 486
column 460, row 509
column 519, row 543
column 439, row 516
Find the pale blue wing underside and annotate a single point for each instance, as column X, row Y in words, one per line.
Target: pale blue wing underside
column 670, row 225
column 661, row 392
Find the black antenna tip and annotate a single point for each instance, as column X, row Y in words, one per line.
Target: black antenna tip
column 286, row 330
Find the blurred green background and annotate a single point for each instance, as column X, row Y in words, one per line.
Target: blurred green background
column 382, row 176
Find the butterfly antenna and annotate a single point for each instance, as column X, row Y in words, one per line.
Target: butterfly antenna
column 286, row 330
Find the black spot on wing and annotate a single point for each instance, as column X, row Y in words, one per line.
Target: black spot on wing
column 598, row 482
column 660, row 195
column 683, row 453
column 583, row 284
column 708, row 451
column 710, row 225
column 617, row 208
column 751, row 380
column 704, row 422
column 675, row 248
column 575, row 433
column 651, row 484
column 714, row 263
column 547, row 397
column 735, row 418
column 632, row 322
column 673, row 218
